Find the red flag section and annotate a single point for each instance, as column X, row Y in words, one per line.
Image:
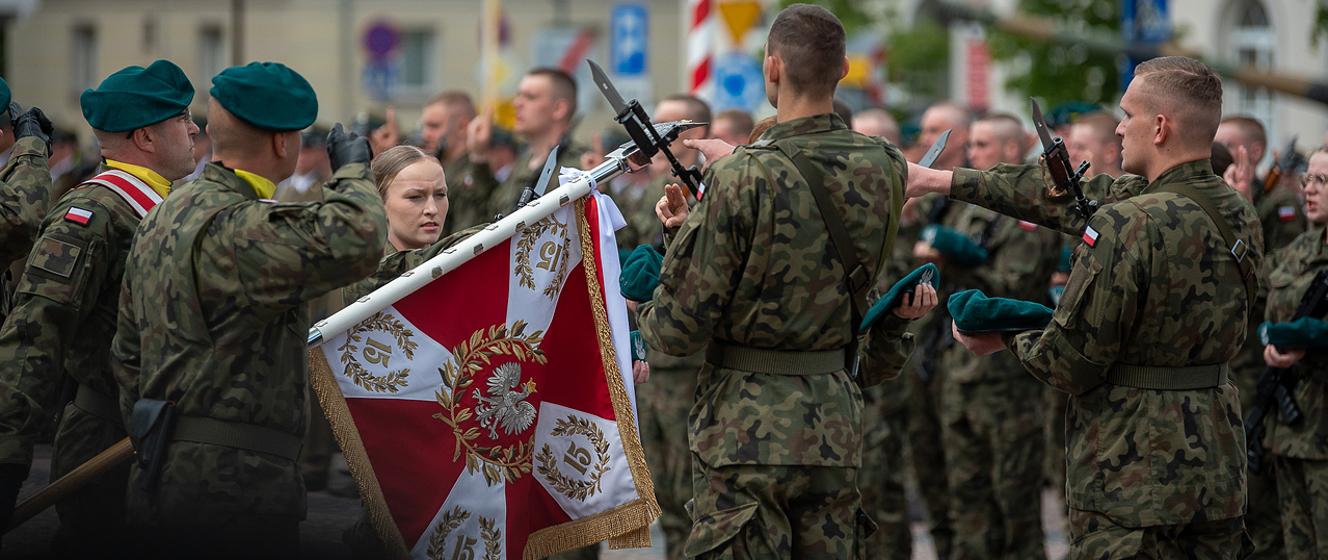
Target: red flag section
column 490, row 408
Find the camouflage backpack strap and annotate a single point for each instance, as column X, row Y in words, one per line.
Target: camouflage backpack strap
column 1238, row 248
column 856, row 276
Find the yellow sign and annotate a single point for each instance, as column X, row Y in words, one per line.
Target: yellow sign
column 739, row 16
column 859, row 71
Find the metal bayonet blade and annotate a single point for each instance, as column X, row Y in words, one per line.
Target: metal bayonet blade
column 550, row 164
column 606, row 87
column 1288, row 156
column 934, row 152
column 1040, row 125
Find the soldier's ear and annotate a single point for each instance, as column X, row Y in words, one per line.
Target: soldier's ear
column 281, row 144
column 1162, row 129
column 844, row 70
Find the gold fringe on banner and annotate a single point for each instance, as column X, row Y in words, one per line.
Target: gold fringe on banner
column 324, row 384
column 622, row 525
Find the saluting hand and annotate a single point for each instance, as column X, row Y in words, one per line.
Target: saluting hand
column 672, row 207
column 346, row 147
column 1240, row 174
column 713, row 149
column 388, row 135
column 479, row 135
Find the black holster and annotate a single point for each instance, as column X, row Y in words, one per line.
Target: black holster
column 150, row 425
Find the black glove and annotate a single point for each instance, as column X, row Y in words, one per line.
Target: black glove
column 347, row 147
column 11, row 480
column 32, row 122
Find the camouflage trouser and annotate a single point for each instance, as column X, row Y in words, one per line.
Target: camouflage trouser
column 91, row 519
column 319, row 446
column 1263, row 516
column 1094, row 536
column 1302, row 490
column 928, row 453
column 993, row 457
column 776, row 511
column 881, row 479
column 1054, row 437
column 664, row 403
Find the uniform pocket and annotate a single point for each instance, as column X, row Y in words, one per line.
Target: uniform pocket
column 58, row 269
column 864, row 528
column 718, row 535
column 1085, row 271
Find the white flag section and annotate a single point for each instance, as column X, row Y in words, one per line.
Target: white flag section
column 490, row 413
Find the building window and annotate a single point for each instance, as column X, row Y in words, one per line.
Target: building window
column 211, row 52
column 84, row 58
column 1252, row 45
column 418, row 62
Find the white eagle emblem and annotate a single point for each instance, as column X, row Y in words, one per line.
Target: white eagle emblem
column 505, row 405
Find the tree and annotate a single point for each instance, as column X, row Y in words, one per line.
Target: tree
column 1056, row 72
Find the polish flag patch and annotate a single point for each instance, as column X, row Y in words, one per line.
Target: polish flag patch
column 1090, row 236
column 1286, row 213
column 78, row 215
column 1027, row 226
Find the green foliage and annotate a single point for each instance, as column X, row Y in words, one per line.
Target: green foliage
column 1320, row 30
column 849, row 12
column 919, row 57
column 1056, row 72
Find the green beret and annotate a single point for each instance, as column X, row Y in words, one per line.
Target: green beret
column 956, row 247
column 640, row 274
column 1305, row 332
column 974, row 312
column 267, row 95
column 926, row 273
column 136, row 97
column 5, row 95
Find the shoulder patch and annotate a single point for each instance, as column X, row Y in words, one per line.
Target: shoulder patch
column 1090, row 236
column 1027, row 226
column 1286, row 213
column 56, row 257
column 78, row 215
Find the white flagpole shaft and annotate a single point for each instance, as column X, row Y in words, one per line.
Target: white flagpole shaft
column 453, row 258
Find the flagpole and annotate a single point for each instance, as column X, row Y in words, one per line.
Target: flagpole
column 615, row 164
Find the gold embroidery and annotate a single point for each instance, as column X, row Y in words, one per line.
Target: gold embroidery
column 375, row 352
column 578, row 458
column 553, row 256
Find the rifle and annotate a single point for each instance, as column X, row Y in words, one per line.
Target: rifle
column 1057, row 157
column 1281, row 166
column 1277, row 387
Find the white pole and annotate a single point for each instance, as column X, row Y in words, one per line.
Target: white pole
column 454, row 257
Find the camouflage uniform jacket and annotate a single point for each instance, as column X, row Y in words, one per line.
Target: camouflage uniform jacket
column 1156, row 287
column 1292, row 269
column 467, row 199
column 213, row 316
column 1022, row 256
column 503, row 195
column 64, row 314
column 638, row 208
column 25, row 181
column 752, row 267
column 1280, row 213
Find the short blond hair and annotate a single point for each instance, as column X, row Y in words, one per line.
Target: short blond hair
column 1187, row 91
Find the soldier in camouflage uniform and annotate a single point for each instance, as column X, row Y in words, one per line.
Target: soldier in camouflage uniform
column 444, row 123
column 775, row 432
column 1154, row 309
column 1281, row 220
column 25, row 183
column 993, row 438
column 1300, row 452
column 545, row 104
column 68, row 297
column 214, row 317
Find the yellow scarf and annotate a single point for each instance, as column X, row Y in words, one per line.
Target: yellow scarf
column 152, row 178
column 261, row 185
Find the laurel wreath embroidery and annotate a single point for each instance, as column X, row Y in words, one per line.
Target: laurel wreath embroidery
column 489, row 532
column 525, row 275
column 450, row 521
column 392, row 381
column 568, row 486
column 472, row 356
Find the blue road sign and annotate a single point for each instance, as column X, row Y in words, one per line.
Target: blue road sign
column 629, row 23
column 1143, row 21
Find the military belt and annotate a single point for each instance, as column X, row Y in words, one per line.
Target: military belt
column 239, row 436
column 96, row 403
column 1164, row 378
column 774, row 362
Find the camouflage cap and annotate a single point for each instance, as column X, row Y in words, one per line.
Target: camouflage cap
column 1305, row 332
column 640, row 273
column 890, row 299
column 135, row 97
column 267, row 95
column 974, row 312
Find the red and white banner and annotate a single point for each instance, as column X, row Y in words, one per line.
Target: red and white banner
column 492, row 409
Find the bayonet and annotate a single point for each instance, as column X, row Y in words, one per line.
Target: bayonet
column 934, row 152
column 1285, row 164
column 532, row 192
column 1057, row 159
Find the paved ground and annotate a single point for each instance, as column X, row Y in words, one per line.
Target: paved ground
column 330, row 514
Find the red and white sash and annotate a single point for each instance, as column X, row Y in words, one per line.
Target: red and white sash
column 133, row 190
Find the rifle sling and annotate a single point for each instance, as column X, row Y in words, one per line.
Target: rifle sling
column 1238, row 248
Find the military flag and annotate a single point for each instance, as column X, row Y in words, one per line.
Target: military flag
column 489, row 413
